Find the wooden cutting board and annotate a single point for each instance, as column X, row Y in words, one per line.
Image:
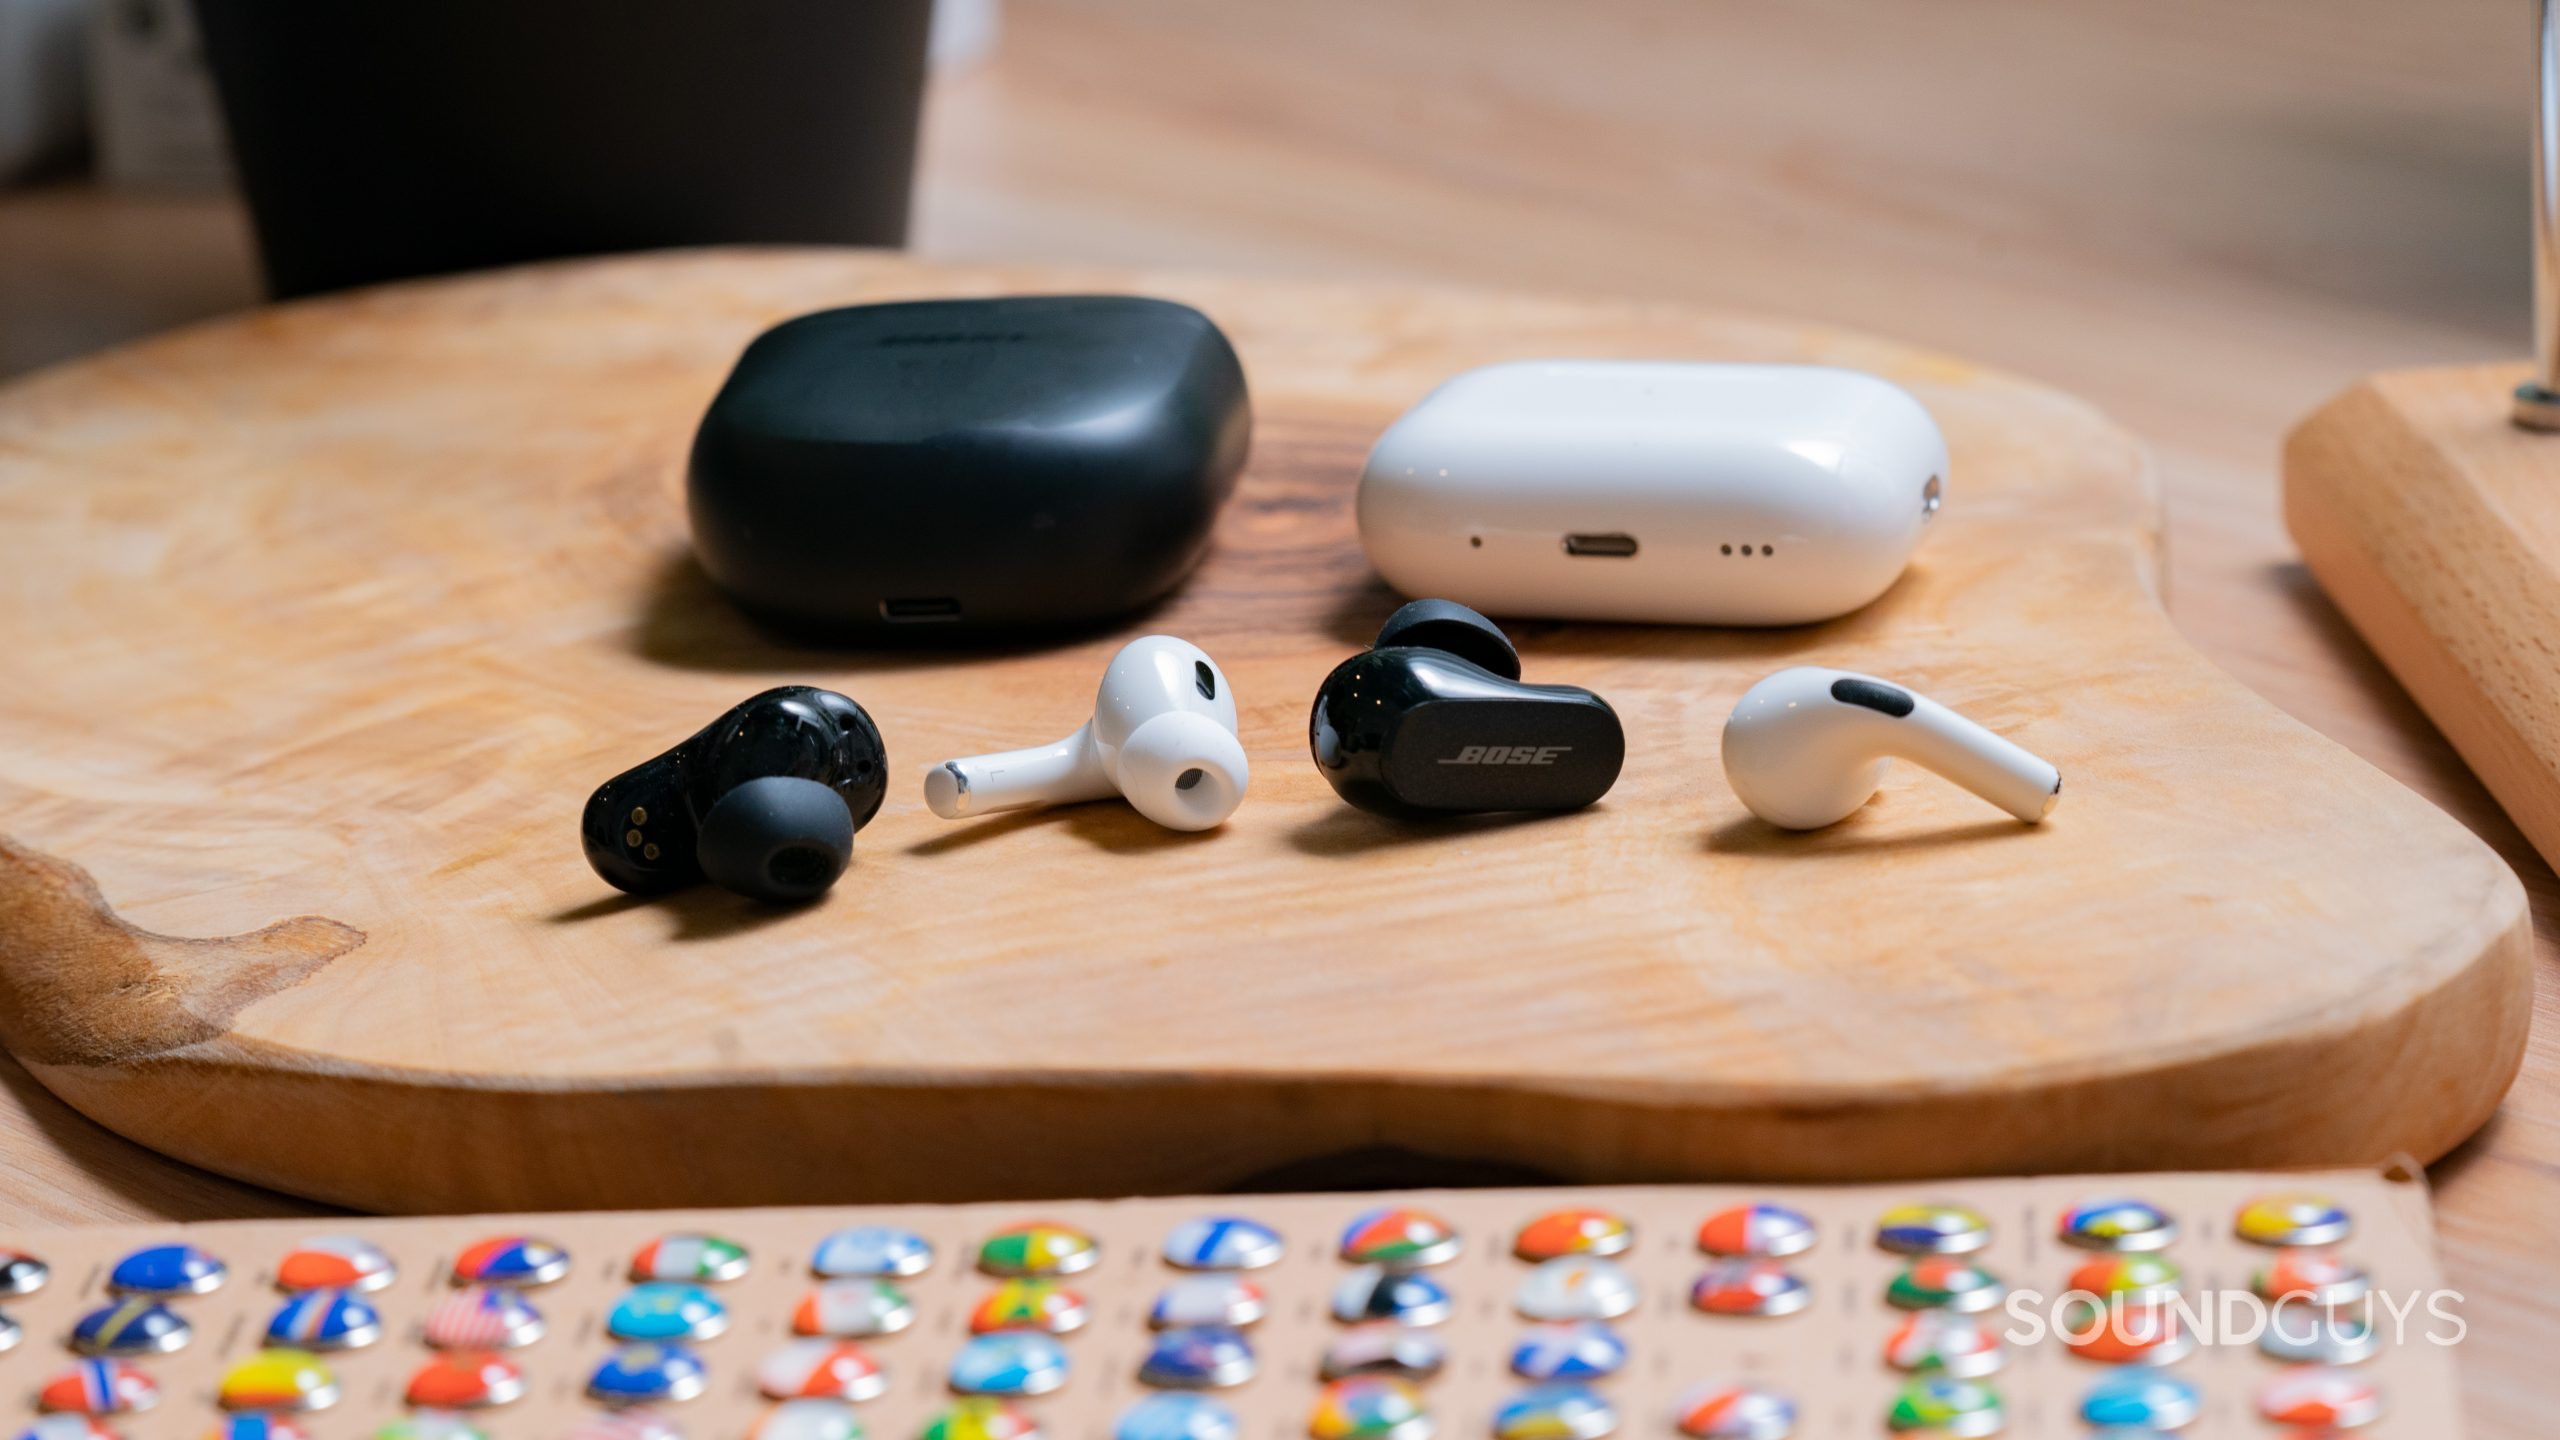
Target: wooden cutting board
column 323, row 621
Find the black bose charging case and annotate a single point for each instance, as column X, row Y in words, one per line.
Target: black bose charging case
column 935, row 467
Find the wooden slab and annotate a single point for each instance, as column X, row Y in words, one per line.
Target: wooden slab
column 2434, row 523
column 325, row 620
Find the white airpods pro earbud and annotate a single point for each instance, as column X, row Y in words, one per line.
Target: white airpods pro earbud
column 1163, row 734
column 1806, row 747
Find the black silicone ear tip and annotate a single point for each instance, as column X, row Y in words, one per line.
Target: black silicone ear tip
column 1452, row 628
column 777, row 838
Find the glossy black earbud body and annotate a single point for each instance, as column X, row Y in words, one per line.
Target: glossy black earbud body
column 763, row 801
column 1435, row 721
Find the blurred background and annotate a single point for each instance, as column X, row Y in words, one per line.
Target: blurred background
column 2202, row 215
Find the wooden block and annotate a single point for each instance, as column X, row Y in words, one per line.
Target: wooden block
column 338, row 610
column 2434, row 524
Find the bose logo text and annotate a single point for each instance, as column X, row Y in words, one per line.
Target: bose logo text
column 1507, row 755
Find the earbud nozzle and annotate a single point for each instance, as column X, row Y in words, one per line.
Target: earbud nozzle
column 777, row 838
column 1183, row 771
column 1452, row 628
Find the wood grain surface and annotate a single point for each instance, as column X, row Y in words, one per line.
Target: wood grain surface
column 375, row 588
column 2207, row 216
column 2434, row 524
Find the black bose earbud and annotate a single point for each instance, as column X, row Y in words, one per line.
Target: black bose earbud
column 763, row 801
column 1434, row 720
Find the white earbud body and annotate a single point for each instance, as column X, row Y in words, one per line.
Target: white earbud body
column 1654, row 491
column 1806, row 747
column 1162, row 736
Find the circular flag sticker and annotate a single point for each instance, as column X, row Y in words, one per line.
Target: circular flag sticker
column 1037, row 1249
column 1222, row 1242
column 2106, row 1276
column 335, row 1262
column 2141, row 1400
column 1932, row 1230
column 1759, row 1232
column 2289, row 1220
column 1560, row 1411
column 2116, row 1224
column 1719, row 1410
column 1944, row 1282
column 1749, row 1287
column 1947, row 1407
column 1369, row 1407
column 1574, row 1231
column 1399, row 1237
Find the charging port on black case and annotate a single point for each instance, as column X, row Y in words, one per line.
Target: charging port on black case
column 919, row 611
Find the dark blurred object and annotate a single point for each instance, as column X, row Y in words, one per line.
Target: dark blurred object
column 378, row 139
column 41, row 97
column 151, row 99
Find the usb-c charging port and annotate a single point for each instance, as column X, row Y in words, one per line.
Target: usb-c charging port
column 919, row 611
column 1612, row 544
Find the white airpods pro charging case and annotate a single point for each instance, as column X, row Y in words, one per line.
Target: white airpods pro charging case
column 1651, row 491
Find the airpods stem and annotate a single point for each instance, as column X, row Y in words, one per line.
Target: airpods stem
column 1163, row 735
column 1806, row 747
column 1937, row 738
column 1062, row 773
